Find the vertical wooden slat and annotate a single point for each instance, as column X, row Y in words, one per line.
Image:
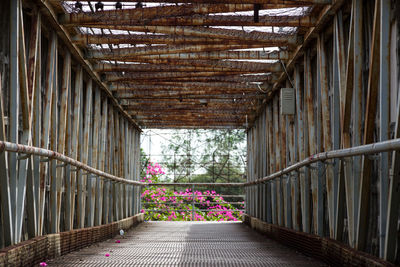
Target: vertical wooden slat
column 47, row 124
column 108, row 201
column 357, row 114
column 346, row 95
column 116, row 167
column 393, row 200
column 14, row 107
column 34, row 78
column 61, row 143
column 7, row 221
column 312, row 144
column 305, row 183
column 53, row 218
column 85, row 154
column 384, row 119
column 25, row 164
column 103, row 143
column 369, row 126
column 298, row 205
column 339, row 72
column 278, row 166
column 76, row 176
column 126, row 167
column 94, row 184
column 327, row 131
column 271, row 160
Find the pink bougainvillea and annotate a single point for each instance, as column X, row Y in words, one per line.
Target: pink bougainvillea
column 165, row 204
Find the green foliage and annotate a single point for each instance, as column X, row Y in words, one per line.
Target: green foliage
column 220, row 154
column 166, row 204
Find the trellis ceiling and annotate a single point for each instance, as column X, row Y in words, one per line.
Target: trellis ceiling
column 188, row 64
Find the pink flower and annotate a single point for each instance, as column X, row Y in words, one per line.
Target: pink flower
column 43, row 263
column 107, row 255
column 117, row 241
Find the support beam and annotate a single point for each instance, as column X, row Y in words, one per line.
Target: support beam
column 357, row 113
column 198, row 20
column 386, row 249
column 274, row 39
column 369, row 127
column 327, row 131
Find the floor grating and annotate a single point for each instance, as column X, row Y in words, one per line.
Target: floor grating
column 187, row 244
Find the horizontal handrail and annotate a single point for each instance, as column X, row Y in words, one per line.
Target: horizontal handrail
column 30, row 150
column 188, row 201
column 197, row 184
column 378, row 147
column 189, row 210
column 191, row 195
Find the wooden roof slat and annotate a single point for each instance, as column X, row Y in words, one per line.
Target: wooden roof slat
column 189, row 76
column 253, row 36
column 127, row 87
column 192, row 65
column 168, row 75
column 199, row 20
column 258, row 55
column 132, row 53
column 183, row 71
column 130, row 16
column 272, row 3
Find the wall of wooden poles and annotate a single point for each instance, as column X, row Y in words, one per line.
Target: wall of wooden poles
column 346, row 94
column 51, row 100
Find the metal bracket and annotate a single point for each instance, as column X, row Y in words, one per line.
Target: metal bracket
column 61, row 165
column 23, row 156
column 328, row 162
column 313, row 167
column 46, row 160
column 373, row 157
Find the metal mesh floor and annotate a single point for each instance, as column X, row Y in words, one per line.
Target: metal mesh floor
column 187, row 244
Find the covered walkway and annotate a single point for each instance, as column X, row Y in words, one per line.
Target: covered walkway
column 315, row 84
column 188, row 244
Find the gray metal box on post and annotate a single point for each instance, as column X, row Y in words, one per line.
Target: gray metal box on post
column 287, row 101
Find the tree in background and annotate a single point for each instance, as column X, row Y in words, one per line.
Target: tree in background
column 205, row 155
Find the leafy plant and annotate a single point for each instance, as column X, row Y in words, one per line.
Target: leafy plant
column 166, row 204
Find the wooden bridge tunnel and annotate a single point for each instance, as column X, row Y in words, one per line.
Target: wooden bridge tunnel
column 79, row 80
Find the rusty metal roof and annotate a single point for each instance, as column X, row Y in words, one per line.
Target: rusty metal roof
column 191, row 64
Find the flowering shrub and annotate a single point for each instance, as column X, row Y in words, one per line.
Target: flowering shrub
column 165, row 204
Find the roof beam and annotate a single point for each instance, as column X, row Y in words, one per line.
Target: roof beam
column 191, row 111
column 127, row 87
column 174, row 125
column 117, row 77
column 192, row 65
column 84, row 39
column 185, row 108
column 147, row 14
column 223, row 78
column 195, row 120
column 133, row 52
column 156, row 67
column 254, row 36
column 260, row 55
column 200, row 20
column 174, row 103
column 271, row 3
column 188, row 94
